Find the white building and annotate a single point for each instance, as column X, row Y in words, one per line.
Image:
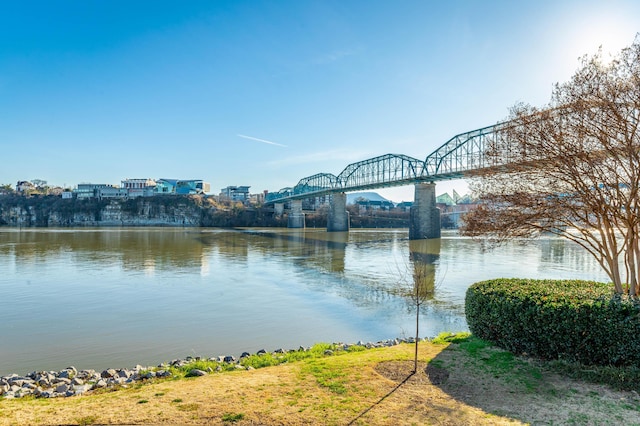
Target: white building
column 235, row 193
column 139, row 187
column 24, row 186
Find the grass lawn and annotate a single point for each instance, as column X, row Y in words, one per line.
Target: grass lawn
column 465, row 382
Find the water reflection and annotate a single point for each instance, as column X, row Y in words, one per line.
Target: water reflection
column 557, row 253
column 424, row 256
column 132, row 249
column 147, row 295
column 319, row 249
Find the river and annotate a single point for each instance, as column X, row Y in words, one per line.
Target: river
column 117, row 297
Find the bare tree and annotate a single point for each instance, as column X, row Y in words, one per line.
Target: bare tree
column 573, row 168
column 418, row 280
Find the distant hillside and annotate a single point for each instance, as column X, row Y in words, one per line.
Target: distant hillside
column 371, row 196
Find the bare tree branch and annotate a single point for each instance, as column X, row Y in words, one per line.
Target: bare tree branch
column 572, row 169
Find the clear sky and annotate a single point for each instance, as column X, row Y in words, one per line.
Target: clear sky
column 264, row 93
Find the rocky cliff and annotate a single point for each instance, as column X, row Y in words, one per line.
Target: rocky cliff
column 149, row 211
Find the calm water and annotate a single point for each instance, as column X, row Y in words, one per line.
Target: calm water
column 98, row 298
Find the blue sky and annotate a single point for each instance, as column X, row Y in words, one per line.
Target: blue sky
column 264, row 93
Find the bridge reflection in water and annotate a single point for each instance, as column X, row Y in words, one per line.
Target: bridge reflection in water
column 327, row 252
column 424, row 256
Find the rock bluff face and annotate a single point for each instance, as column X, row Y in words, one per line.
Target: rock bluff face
column 55, row 212
column 168, row 210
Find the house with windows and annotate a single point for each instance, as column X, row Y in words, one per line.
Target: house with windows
column 139, row 187
column 235, row 193
column 24, row 186
column 97, row 190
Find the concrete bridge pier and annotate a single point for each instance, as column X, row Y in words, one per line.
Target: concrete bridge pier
column 338, row 217
column 278, row 209
column 424, row 216
column 296, row 217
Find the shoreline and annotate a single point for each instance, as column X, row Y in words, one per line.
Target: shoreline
column 72, row 382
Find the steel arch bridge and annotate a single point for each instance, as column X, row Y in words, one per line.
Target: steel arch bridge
column 460, row 156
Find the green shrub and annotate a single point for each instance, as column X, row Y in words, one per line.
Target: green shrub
column 579, row 321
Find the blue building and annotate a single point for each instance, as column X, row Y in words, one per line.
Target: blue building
column 183, row 187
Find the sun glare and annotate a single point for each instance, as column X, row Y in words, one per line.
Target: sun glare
column 572, row 34
column 607, row 31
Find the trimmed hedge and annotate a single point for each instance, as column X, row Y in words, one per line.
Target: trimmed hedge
column 579, row 321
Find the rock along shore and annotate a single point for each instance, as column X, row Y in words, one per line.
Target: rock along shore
column 72, row 382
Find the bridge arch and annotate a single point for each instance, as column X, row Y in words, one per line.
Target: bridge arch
column 316, row 183
column 285, row 192
column 465, row 152
column 385, row 170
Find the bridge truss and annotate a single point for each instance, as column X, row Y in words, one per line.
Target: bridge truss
column 466, row 153
column 460, row 156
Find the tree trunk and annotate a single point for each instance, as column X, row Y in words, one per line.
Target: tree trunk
column 415, row 358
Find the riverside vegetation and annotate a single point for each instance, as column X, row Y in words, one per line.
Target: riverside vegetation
column 461, row 380
column 578, row 321
column 71, row 382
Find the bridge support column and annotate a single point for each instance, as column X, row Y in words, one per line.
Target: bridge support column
column 424, row 216
column 278, row 209
column 296, row 217
column 338, row 217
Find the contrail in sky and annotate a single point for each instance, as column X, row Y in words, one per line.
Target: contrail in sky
column 261, row 140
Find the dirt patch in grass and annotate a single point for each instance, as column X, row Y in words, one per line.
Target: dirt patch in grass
column 402, row 372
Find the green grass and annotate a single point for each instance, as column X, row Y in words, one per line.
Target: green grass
column 493, row 360
column 88, row 420
column 621, row 378
column 446, row 338
column 265, row 360
column 188, row 407
column 232, row 418
column 331, row 377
